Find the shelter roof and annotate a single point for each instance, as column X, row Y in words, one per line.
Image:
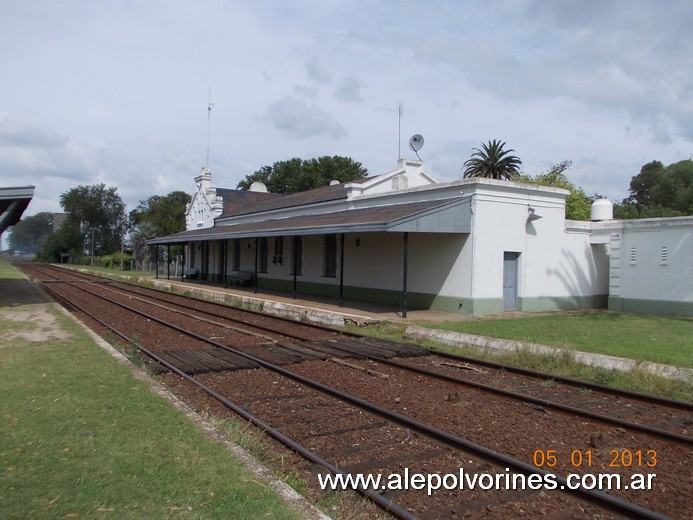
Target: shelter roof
column 13, row 202
column 370, row 219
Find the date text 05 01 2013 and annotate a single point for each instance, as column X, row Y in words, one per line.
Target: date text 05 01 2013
column 587, row 458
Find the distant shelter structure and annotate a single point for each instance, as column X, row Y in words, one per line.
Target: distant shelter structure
column 13, row 203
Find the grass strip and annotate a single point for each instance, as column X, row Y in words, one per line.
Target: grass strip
column 562, row 364
column 81, row 437
column 660, row 339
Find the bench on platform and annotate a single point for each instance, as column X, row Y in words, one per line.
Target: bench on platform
column 240, row 278
column 190, row 273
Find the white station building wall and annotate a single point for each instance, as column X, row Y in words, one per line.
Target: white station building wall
column 640, row 266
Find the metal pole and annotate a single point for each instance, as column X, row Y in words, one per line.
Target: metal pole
column 225, row 269
column 205, row 262
column 341, row 270
column 182, row 265
column 295, row 260
column 404, row 277
column 122, row 244
column 156, row 261
column 168, row 261
column 257, row 252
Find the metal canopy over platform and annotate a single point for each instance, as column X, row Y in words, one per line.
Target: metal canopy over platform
column 13, row 202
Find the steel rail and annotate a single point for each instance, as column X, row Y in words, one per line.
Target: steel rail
column 604, row 500
column 648, row 430
column 653, row 399
column 370, row 493
column 491, row 364
column 642, row 428
column 218, row 315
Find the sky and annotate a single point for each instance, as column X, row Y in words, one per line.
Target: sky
column 117, row 92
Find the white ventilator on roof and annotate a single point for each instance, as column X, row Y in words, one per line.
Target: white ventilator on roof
column 334, row 182
column 602, row 209
column 258, row 186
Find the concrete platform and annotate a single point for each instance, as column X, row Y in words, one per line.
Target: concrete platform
column 311, row 308
column 327, row 311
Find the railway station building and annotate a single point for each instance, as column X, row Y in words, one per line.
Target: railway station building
column 472, row 246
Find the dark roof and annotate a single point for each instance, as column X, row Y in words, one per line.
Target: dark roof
column 302, row 198
column 13, row 202
column 235, row 199
column 372, row 219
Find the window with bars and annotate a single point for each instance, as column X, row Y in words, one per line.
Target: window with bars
column 633, row 257
column 330, row 256
column 297, row 257
column 278, row 257
column 264, row 255
column 236, row 255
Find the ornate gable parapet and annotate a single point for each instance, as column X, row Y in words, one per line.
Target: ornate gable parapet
column 205, row 204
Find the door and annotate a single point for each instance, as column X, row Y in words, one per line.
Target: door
column 510, row 280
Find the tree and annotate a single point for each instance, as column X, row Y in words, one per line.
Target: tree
column 659, row 191
column 145, row 231
column 97, row 212
column 67, row 239
column 492, row 161
column 166, row 213
column 577, row 204
column 295, row 175
column 31, row 233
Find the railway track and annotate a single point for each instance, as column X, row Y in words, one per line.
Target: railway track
column 418, row 413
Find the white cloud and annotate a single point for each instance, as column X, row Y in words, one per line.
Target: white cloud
column 298, row 120
column 118, row 92
column 317, row 72
column 349, row 90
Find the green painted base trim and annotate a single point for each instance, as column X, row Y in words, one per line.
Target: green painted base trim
column 661, row 307
column 597, row 301
column 386, row 297
column 417, row 301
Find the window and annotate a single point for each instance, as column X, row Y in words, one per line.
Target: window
column 297, row 263
column 236, row 255
column 264, row 254
column 329, row 266
column 278, row 257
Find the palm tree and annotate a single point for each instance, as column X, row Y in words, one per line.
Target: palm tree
column 143, row 232
column 492, row 162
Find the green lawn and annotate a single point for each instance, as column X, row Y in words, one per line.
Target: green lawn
column 81, row 437
column 660, row 339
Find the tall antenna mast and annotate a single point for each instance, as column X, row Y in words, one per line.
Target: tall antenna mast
column 400, row 112
column 210, row 105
